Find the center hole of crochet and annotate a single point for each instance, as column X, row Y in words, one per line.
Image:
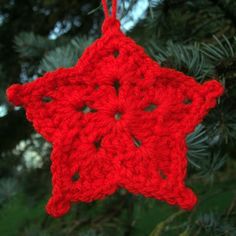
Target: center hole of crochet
column 116, row 85
column 118, row 115
column 75, row 177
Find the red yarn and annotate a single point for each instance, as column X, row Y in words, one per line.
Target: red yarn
column 116, row 119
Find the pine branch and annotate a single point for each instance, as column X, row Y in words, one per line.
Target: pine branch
column 13, row 128
column 186, row 58
column 222, row 53
column 228, row 13
column 198, row 148
column 29, row 45
column 8, row 188
column 65, row 56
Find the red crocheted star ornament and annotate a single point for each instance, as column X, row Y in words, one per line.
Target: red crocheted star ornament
column 116, row 119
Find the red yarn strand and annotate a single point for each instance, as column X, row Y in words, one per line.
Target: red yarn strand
column 105, row 7
column 114, row 8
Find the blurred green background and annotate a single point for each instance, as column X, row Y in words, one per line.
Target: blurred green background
column 196, row 37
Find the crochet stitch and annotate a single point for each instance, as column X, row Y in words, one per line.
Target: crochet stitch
column 116, row 119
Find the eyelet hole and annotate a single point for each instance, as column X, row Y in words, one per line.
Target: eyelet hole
column 75, row 177
column 151, row 107
column 116, row 53
column 162, row 174
column 136, row 142
column 86, row 109
column 97, row 143
column 187, row 101
column 46, row 99
column 116, row 85
column 96, row 86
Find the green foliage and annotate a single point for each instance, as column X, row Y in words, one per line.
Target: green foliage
column 65, row 56
column 221, row 124
column 18, row 213
column 32, row 46
column 186, row 58
column 214, row 224
column 8, row 188
column 183, row 21
column 198, row 148
column 219, row 51
column 169, row 221
column 51, row 54
column 2, row 83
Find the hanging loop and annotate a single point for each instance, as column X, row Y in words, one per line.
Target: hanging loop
column 110, row 23
column 106, row 10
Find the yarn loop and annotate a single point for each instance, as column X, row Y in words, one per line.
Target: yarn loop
column 110, row 25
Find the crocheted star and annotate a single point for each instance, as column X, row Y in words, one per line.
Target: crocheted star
column 116, row 119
